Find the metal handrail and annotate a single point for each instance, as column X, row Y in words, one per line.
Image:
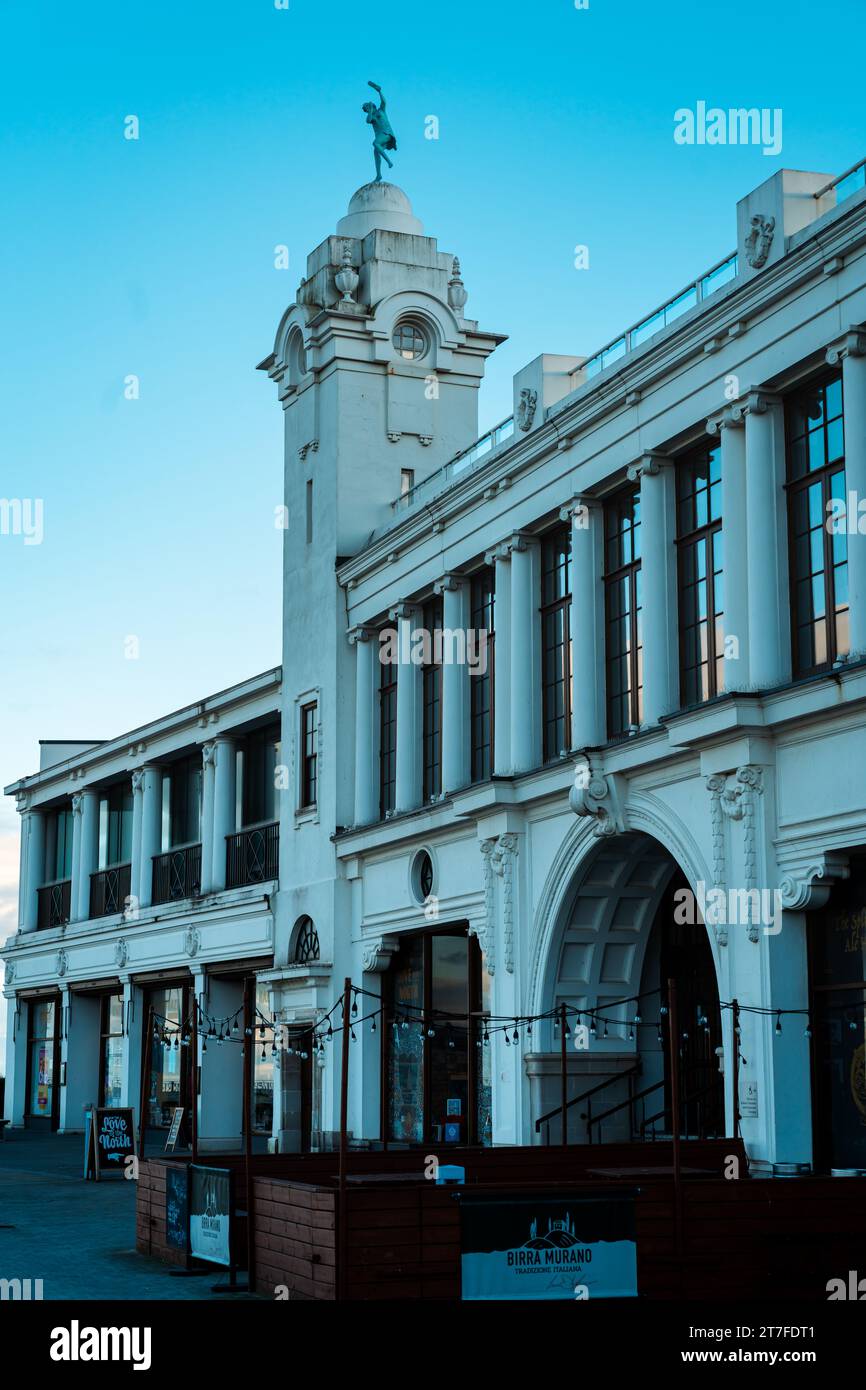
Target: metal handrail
column 687, row 1101
column 584, row 1095
column 840, row 178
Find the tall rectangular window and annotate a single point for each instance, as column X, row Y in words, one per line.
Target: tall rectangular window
column 483, row 598
column 115, row 826
column 181, row 803
column 622, row 595
column 42, row 1041
column 700, row 565
column 309, row 509
column 309, row 754
column 556, row 664
column 111, row 1050
column 259, row 762
column 431, row 673
column 387, row 735
column 58, row 846
column 818, row 546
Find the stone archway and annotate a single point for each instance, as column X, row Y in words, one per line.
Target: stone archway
column 612, row 937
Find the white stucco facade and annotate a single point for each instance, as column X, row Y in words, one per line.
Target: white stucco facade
column 557, row 865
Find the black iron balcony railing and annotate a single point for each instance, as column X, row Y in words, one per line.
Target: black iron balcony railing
column 253, row 855
column 177, row 874
column 109, row 890
column 55, row 901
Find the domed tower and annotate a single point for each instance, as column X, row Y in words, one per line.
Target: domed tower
column 376, row 366
column 378, row 370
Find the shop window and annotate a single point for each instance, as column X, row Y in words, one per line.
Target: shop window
column 437, row 1064
column 170, row 1053
column 42, row 1045
column 111, row 1050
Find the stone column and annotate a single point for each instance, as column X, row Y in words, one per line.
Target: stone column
column 525, row 653
column 151, row 831
column 207, row 816
column 33, row 838
column 88, row 853
column 587, row 622
column 659, row 619
column 851, row 351
column 456, row 711
column 225, row 779
column 409, row 714
column 766, row 560
column 500, row 559
column 732, row 438
column 137, row 807
column 366, row 644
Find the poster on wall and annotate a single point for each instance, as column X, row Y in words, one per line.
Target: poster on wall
column 570, row 1246
column 210, row 1214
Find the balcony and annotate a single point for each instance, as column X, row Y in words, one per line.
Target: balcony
column 177, row 874
column 253, row 855
column 109, row 890
column 54, row 904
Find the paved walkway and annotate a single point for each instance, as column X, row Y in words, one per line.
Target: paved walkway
column 77, row 1237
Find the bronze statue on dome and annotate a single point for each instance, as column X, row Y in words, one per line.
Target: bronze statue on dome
column 383, row 136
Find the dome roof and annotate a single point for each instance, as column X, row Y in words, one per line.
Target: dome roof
column 379, row 207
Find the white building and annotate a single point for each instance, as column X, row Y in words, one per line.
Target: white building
column 661, row 724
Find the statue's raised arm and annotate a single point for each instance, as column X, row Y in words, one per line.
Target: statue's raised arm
column 383, row 136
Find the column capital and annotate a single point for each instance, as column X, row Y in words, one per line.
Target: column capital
column 649, row 465
column 755, row 402
column 23, row 803
column 578, row 509
column 449, row 583
column 208, row 753
column 499, row 551
column 404, row 611
column 78, row 803
column 724, row 420
column 361, row 634
column 138, row 779
column 519, row 541
column 850, row 344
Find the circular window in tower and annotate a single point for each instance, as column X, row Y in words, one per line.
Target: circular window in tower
column 409, row 340
column 423, row 878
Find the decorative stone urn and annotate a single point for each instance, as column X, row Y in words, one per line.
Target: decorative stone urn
column 346, row 278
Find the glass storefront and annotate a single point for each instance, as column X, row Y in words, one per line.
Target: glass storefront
column 111, row 1050
column 838, row 972
column 42, row 1041
column 169, row 1061
column 437, row 1064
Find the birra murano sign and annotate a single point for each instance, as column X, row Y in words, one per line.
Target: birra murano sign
column 568, row 1247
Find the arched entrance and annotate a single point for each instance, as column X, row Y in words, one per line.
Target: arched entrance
column 618, row 939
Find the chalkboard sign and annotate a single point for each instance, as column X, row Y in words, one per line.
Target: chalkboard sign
column 114, row 1135
column 177, row 1208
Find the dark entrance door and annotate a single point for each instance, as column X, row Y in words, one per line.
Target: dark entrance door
column 687, row 958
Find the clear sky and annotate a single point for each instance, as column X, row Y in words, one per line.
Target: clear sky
column 155, row 258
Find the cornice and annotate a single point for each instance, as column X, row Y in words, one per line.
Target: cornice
column 131, row 745
column 721, row 319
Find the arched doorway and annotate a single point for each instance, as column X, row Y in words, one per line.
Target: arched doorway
column 621, row 934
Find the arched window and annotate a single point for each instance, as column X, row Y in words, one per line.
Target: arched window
column 306, row 942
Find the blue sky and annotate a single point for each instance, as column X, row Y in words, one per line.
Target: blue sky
column 156, row 258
